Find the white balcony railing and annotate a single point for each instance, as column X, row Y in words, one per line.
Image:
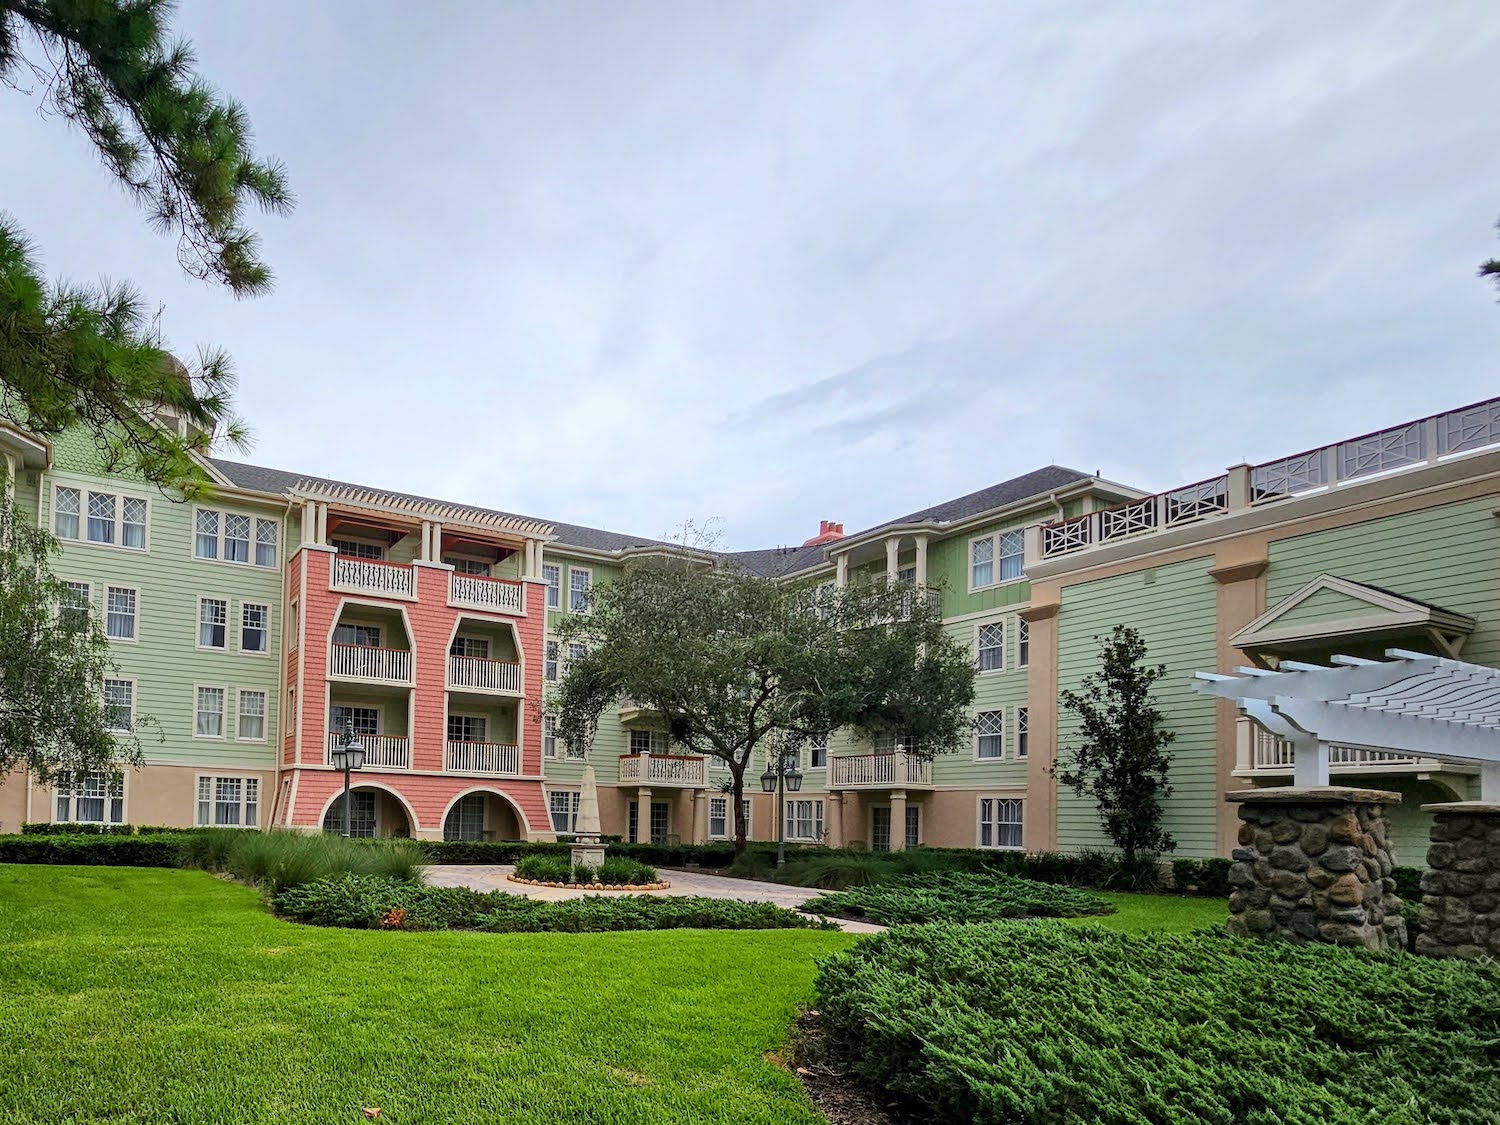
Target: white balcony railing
column 496, row 758
column 363, row 662
column 1260, row 750
column 493, row 594
column 393, row 580
column 878, row 771
column 382, row 751
column 688, row 771
column 479, row 674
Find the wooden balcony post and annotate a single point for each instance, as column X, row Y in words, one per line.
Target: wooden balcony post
column 892, row 550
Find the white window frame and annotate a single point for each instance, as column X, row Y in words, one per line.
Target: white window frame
column 588, row 586
column 223, row 735
column 87, row 608
column 134, row 694
column 979, row 628
column 245, row 804
column 253, row 544
column 466, row 717
column 814, row 744
column 816, row 819
column 239, row 714
column 85, row 493
column 367, row 549
column 998, row 733
column 554, row 588
column 994, row 539
column 378, row 708
column 114, row 779
column 573, row 796
column 996, row 823
column 549, row 737
column 1022, row 738
column 198, row 624
column 467, row 564
column 265, row 628
column 463, row 641
column 135, row 614
column 1023, row 642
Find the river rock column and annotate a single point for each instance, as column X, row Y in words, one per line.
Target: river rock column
column 1313, row 865
column 1461, row 886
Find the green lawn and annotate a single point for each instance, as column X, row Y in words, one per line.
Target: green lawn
column 133, row 995
column 1175, row 914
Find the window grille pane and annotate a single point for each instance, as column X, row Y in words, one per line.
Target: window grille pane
column 549, row 736
column 990, row 728
column 205, row 800
column 252, row 724
column 1021, row 732
column 101, row 517
column 1012, row 554
column 266, row 532
column 254, row 632
column 65, row 511
column 133, row 523
column 210, row 716
column 119, row 621
column 1023, row 642
column 552, row 575
column 73, row 609
column 718, row 816
column 227, row 800
column 578, row 590
column 252, row 801
column 213, row 623
column 550, row 669
column 818, row 751
column 206, row 543
column 236, row 538
column 119, row 699
column 991, row 647
column 982, row 564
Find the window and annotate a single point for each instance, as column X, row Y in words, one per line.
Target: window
column 361, row 815
column 119, row 705
column 213, row 623
column 804, row 820
column 229, row 802
column 255, row 627
column 913, row 826
column 358, row 549
column 465, row 821
column 648, row 742
column 465, row 728
column 366, row 720
column 1020, row 732
column 579, row 582
column 74, row 605
column 119, row 616
column 563, row 807
column 999, row 822
column 989, row 729
column 89, row 798
column 552, row 576
column 817, row 748
column 718, row 817
column 886, row 742
column 991, row 644
column 133, row 523
column 549, row 736
column 266, row 532
column 238, row 534
column 575, row 650
column 252, row 724
column 101, row 517
column 67, row 503
column 468, row 566
column 1023, row 642
column 660, row 821
column 478, row 647
column 907, row 576
column 1005, row 548
column 573, row 753
column 549, row 666
column 362, row 636
column 209, row 714
column 236, row 538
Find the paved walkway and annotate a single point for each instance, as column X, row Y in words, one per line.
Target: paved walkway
column 492, row 877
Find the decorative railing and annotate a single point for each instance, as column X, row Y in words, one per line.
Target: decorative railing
column 927, row 595
column 875, row 771
column 664, row 769
column 1411, row 444
column 382, row 751
column 494, row 594
column 1262, row 750
column 483, row 675
column 369, row 576
column 498, row 758
column 363, row 662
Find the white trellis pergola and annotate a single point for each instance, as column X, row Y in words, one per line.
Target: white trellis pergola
column 1411, row 703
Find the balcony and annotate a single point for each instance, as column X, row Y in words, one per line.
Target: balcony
column 475, row 673
column 371, row 576
column 686, row 771
column 495, row 595
column 371, row 665
column 878, row 771
column 1261, row 754
column 382, row 751
column 494, row 759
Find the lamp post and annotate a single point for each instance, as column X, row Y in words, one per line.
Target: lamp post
column 348, row 754
column 783, row 776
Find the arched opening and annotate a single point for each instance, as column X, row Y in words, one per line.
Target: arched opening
column 372, row 812
column 482, row 815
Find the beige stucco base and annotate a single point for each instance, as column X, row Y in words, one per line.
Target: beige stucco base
column 154, row 795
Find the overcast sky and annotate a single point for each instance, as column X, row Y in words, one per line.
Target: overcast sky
column 627, row 264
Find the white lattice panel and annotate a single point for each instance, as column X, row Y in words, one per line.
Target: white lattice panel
column 1196, row 501
column 1127, row 519
column 1059, row 538
column 1378, row 453
column 1474, row 427
column 1305, row 472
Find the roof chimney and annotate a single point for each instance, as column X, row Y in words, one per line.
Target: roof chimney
column 828, row 532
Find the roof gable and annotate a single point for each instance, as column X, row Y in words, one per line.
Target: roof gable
column 1330, row 608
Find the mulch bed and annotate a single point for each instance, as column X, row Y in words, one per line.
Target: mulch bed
column 836, row 1096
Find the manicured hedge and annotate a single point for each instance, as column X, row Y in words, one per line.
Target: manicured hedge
column 367, row 902
column 657, row 855
column 616, row 870
column 46, row 828
column 110, row 850
column 957, row 897
column 1049, row 1023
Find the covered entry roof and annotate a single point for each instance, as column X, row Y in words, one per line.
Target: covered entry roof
column 1410, row 703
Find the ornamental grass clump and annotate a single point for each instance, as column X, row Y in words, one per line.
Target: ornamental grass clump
column 616, row 871
column 275, row 860
column 957, row 897
column 1050, row 1023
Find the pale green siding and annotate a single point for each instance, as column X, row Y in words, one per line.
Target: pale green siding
column 1003, row 691
column 1323, row 607
column 948, row 567
column 1173, row 608
column 164, row 660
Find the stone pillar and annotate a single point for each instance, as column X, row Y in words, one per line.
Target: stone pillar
column 1313, row 865
column 898, row 821
column 1461, row 886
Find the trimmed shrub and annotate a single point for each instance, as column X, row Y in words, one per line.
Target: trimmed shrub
column 1408, row 883
column 367, row 902
column 44, row 828
column 957, row 897
column 544, row 868
column 1048, row 1023
column 615, row 871
column 1208, row 877
column 622, row 871
column 107, row 850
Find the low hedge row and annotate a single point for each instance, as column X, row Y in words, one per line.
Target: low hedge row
column 46, row 828
column 366, row 902
column 957, row 897
column 1048, row 1023
column 616, row 870
column 159, row 850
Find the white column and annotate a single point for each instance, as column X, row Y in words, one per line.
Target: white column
column 323, row 523
column 892, row 549
column 1309, row 763
column 841, row 571
column 12, row 469
column 921, row 561
column 309, row 522
column 1489, row 782
column 898, row 820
